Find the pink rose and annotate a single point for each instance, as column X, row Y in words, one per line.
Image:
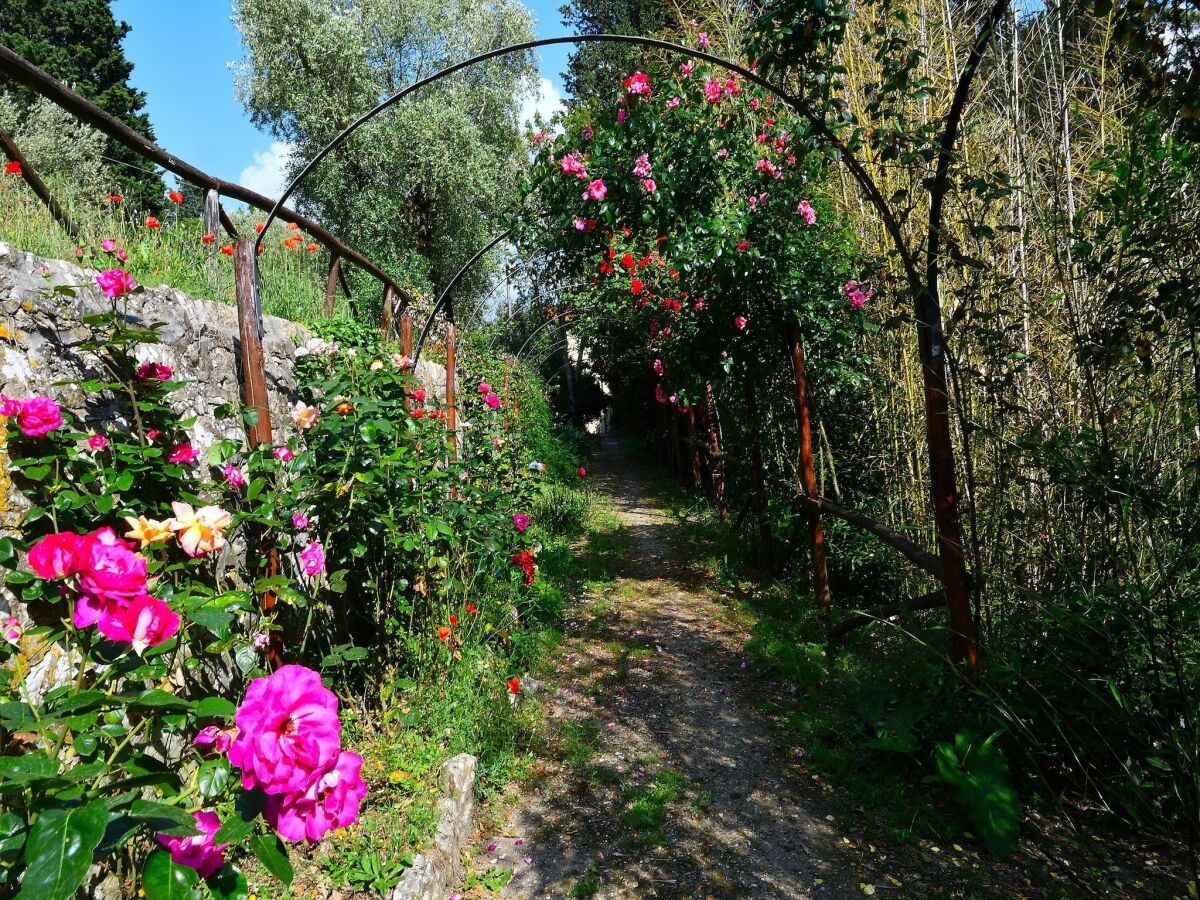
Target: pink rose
column 658, row 367
column 122, row 255
column 300, row 521
column 673, row 102
column 419, row 395
column 198, row 851
column 659, row 394
column 597, row 189
column 58, row 555
column 313, row 558
column 115, row 283
column 331, row 801
column 9, row 408
column 638, row 84
column 154, row 371
column 146, row 622
column 12, row 630
column 234, row 476
column 284, row 454
column 215, row 739
column 521, row 522
column 492, row 400
column 97, row 442
column 110, row 575
column 686, row 69
column 807, row 213
column 288, row 731
column 743, row 246
column 484, row 388
column 261, row 640
column 703, row 40
column 739, row 322
column 108, row 245
column 183, row 453
column 713, row 90
column 582, row 472
column 39, row 416
column 649, row 185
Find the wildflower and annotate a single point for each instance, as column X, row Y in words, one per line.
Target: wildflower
column 143, row 623
column 288, row 731
column 198, row 851
column 208, row 238
column 305, row 416
column 234, row 477
column 108, row 245
column 299, row 521
column 443, row 633
column 12, row 630
column 514, row 685
column 183, row 453
column 147, row 532
column 521, row 522
column 453, row 620
column 807, row 213
column 596, row 190
column 114, row 198
column 115, row 283
column 739, row 322
column 227, row 249
column 199, row 531
column 13, row 168
column 313, row 559
column 154, row 371
column 331, row 801
column 152, row 222
column 471, row 608
column 175, row 197
column 313, row 248
column 97, row 442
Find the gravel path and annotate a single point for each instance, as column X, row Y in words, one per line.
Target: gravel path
column 671, row 781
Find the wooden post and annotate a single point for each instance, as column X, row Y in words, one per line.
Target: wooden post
column 212, row 215
column 758, row 485
column 808, row 470
column 256, row 398
column 38, row 186
column 406, row 333
column 451, row 417
column 676, row 445
column 714, row 442
column 697, row 472
column 385, row 318
column 331, row 283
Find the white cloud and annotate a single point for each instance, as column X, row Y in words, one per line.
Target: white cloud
column 268, row 174
column 546, row 101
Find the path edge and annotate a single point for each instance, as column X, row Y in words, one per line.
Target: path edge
column 434, row 875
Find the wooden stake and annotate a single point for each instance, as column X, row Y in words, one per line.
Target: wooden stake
column 331, row 283
column 257, row 399
column 451, row 415
column 385, row 318
column 757, row 483
column 714, row 441
column 808, row 471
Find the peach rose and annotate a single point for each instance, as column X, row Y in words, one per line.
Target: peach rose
column 200, row 531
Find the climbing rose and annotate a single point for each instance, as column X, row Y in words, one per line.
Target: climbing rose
column 150, row 371
column 858, row 293
column 703, row 40
column 147, row 531
column 234, row 476
column 659, row 394
column 331, row 801
column 37, row 416
column 492, row 400
column 638, row 84
column 673, row 102
column 219, row 739
column 305, row 416
column 571, row 164
column 524, row 562
column 713, row 90
column 13, row 630
column 97, row 442
column 658, row 367
column 483, row 387
column 807, row 213
column 596, row 189
column 521, row 521
column 641, row 167
column 183, row 453
column 200, row 531
column 57, row 555
column 146, row 622
column 313, row 558
column 284, row 454
column 109, row 571
column 175, row 197
column 649, row 185
column 288, row 731
column 198, row 851
column 300, row 521
column 419, row 395
column 13, row 168
column 739, row 322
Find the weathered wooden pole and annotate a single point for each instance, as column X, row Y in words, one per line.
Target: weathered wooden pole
column 385, row 317
column 406, row 333
column 212, row 215
column 697, row 470
column 256, row 398
column 37, row 185
column 757, row 482
column 714, row 442
column 331, row 283
column 451, row 413
column 808, row 471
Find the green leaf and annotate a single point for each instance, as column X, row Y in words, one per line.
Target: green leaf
column 213, row 777
column 979, row 773
column 271, row 853
column 229, row 884
column 58, row 853
column 170, row 820
column 215, row 708
column 164, row 879
column 21, row 770
column 156, row 699
column 12, row 833
column 234, row 831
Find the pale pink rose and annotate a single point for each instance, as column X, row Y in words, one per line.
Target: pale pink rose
column 146, row 622
column 12, row 630
column 305, row 416
column 313, row 559
column 261, row 640
column 289, row 731
column 331, row 801
column 674, row 102
column 200, row 531
column 198, row 851
column 97, row 442
column 115, row 283
column 39, row 416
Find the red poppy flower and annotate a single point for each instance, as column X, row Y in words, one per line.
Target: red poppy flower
column 261, row 248
column 313, row 248
column 175, row 197
column 514, row 685
column 152, row 222
column 114, row 198
column 227, row 249
column 636, row 287
column 13, row 168
column 454, row 620
column 208, row 238
column 259, row 227
column 292, row 226
column 606, row 268
column 472, row 610
column 443, row 633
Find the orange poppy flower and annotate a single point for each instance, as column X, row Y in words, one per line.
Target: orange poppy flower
column 292, row 226
column 152, row 222
column 114, row 198
column 443, row 633
column 227, row 249
column 313, row 248
column 259, row 227
column 208, row 238
column 175, row 197
column 514, row 685
column 344, row 409
column 261, row 248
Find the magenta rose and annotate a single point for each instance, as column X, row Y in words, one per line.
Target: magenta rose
column 58, row 555
column 521, row 522
column 145, row 622
column 110, row 574
column 197, row 851
column 288, row 731
column 331, row 801
column 215, row 739
column 115, row 282
column 39, row 416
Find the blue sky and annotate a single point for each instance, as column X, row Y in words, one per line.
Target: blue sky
column 181, row 53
